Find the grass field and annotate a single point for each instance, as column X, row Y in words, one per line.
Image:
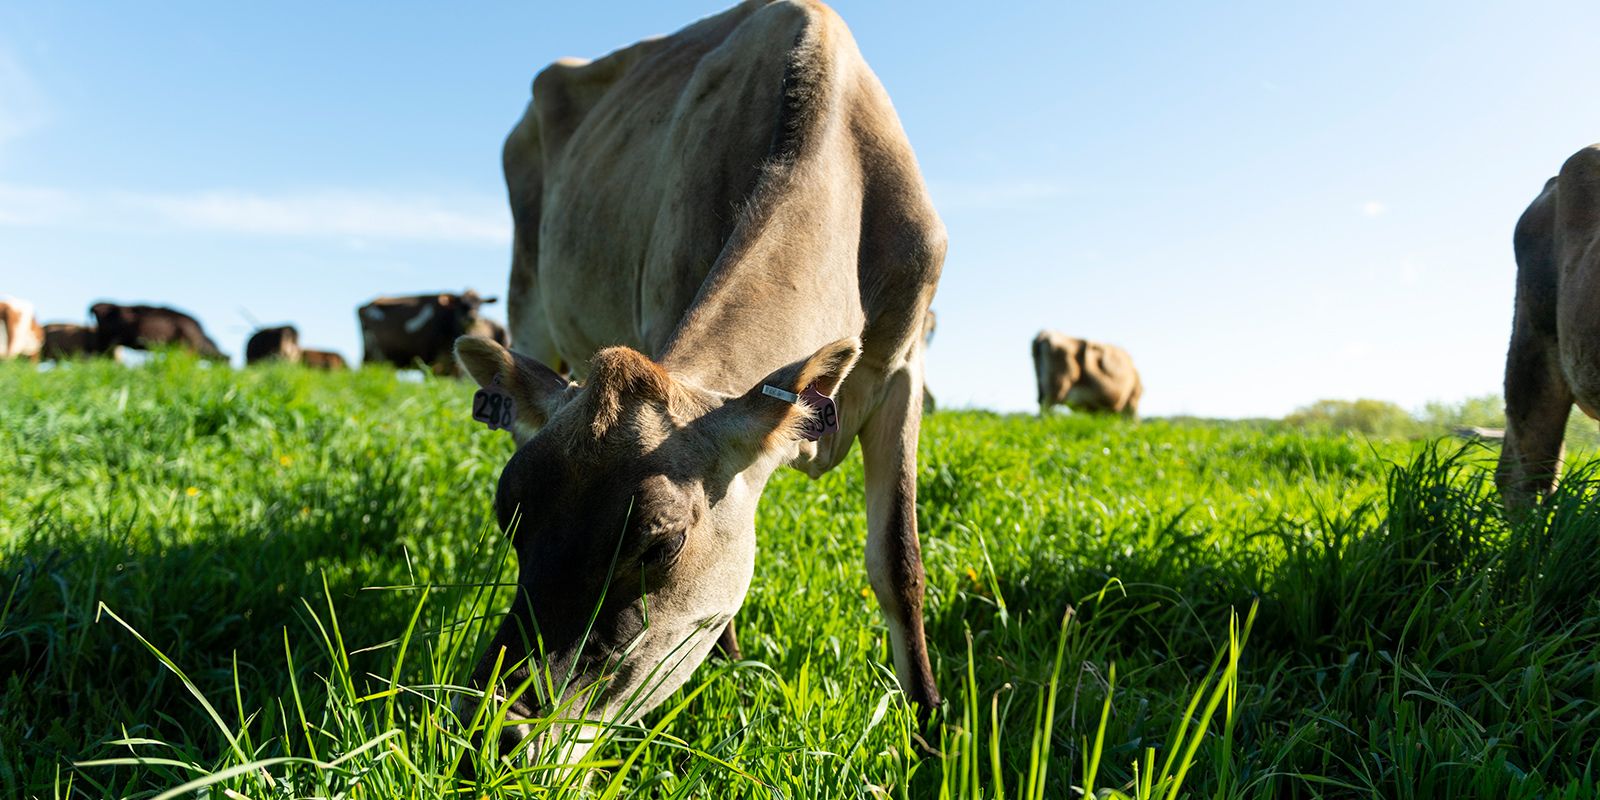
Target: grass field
column 274, row 581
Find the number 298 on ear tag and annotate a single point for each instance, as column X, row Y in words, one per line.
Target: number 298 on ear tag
column 494, row 406
column 825, row 414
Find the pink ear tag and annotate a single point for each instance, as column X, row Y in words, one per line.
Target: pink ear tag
column 494, row 406
column 826, row 418
column 824, row 421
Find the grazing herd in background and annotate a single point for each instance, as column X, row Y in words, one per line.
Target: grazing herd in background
column 669, row 360
column 404, row 331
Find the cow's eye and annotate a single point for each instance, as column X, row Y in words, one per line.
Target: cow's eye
column 664, row 550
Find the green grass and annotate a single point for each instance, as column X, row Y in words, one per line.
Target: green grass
column 275, row 582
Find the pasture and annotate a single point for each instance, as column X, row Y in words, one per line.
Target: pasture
column 272, row 582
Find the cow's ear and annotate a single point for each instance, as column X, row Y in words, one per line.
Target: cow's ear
column 446, row 300
column 769, row 416
column 487, row 300
column 539, row 392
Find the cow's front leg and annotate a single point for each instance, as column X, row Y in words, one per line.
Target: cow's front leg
column 894, row 556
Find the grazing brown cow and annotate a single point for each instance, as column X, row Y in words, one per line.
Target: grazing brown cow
column 281, row 343
column 20, row 333
column 1085, row 376
column 404, row 331
column 63, row 340
column 718, row 229
column 1554, row 358
column 144, row 327
column 322, row 359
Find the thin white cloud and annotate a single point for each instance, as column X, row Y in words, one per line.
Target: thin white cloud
column 331, row 213
column 362, row 216
column 26, row 206
column 993, row 194
column 1373, row 208
column 22, row 105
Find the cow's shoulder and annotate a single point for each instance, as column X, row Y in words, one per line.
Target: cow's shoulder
column 1582, row 166
column 1578, row 189
column 568, row 90
column 1577, row 202
column 1578, row 186
column 563, row 95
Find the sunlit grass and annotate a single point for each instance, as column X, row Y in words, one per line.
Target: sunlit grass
column 275, row 583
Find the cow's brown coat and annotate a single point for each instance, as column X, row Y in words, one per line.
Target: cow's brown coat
column 697, row 215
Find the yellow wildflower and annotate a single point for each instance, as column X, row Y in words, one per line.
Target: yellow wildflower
column 192, row 491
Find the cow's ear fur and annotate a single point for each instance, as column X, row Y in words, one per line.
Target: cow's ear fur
column 767, row 423
column 538, row 390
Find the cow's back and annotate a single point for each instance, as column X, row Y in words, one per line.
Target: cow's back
column 633, row 175
column 647, row 158
column 1115, row 383
column 322, row 359
column 65, row 340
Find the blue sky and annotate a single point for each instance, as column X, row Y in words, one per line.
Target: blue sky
column 1267, row 203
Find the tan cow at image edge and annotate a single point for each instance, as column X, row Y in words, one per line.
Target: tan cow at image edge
column 1554, row 357
column 21, row 336
column 705, row 223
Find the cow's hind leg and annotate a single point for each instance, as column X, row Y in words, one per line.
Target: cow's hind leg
column 1538, row 401
column 894, row 555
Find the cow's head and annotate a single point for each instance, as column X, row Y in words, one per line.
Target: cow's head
column 1060, row 365
column 114, row 325
column 631, row 505
column 462, row 309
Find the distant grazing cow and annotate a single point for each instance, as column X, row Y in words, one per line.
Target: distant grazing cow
column 63, row 340
column 421, row 328
column 1085, row 376
column 725, row 232
column 1554, row 358
column 322, row 359
column 20, row 334
column 145, row 327
column 281, row 343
